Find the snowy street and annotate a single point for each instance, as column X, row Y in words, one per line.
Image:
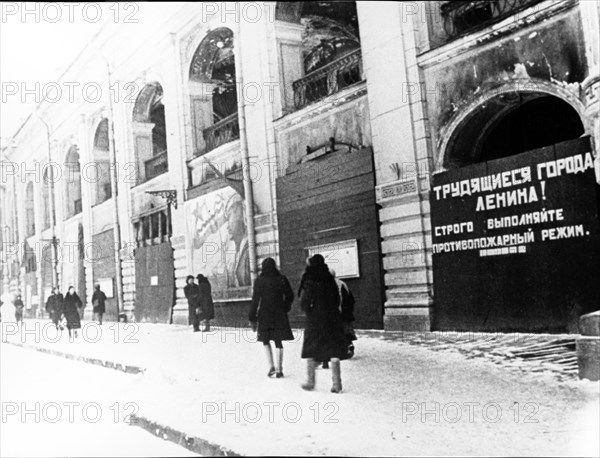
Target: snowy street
column 55, row 407
column 398, row 398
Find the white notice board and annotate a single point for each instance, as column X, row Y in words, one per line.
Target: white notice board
column 340, row 256
column 106, row 286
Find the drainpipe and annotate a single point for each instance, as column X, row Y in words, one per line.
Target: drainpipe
column 115, row 195
column 249, row 200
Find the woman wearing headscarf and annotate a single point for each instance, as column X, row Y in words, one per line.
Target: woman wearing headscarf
column 19, row 306
column 72, row 303
column 324, row 329
column 192, row 294
column 272, row 299
column 206, row 305
column 99, row 304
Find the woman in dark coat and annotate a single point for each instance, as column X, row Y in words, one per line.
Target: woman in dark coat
column 192, row 294
column 271, row 301
column 99, row 304
column 19, row 306
column 324, row 337
column 72, row 303
column 55, row 307
column 207, row 307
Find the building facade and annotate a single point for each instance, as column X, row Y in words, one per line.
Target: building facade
column 221, row 134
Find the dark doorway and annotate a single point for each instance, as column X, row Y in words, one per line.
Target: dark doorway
column 509, row 124
column 327, row 206
column 540, row 122
column 154, row 283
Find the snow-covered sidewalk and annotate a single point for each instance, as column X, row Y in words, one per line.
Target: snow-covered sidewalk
column 398, row 399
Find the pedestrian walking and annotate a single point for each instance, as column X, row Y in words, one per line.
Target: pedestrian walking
column 19, row 306
column 206, row 310
column 99, row 304
column 54, row 307
column 192, row 294
column 272, row 299
column 324, row 329
column 72, row 304
column 346, row 308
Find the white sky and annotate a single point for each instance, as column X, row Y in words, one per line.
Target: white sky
column 38, row 47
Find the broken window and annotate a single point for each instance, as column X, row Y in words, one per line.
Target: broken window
column 330, row 48
column 100, row 172
column 72, row 183
column 150, row 133
column 29, row 210
column 213, row 91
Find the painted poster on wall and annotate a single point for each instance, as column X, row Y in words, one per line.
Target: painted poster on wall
column 217, row 225
column 516, row 241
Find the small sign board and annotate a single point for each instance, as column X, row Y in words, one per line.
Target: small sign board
column 106, row 285
column 340, row 256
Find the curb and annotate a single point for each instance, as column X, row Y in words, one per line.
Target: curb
column 192, row 443
column 84, row 359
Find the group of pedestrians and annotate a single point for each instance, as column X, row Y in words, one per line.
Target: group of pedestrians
column 329, row 308
column 200, row 302
column 71, row 308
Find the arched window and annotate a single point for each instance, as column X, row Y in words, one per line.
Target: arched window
column 72, row 183
column 213, row 92
column 46, row 201
column 29, row 210
column 101, row 159
column 150, row 133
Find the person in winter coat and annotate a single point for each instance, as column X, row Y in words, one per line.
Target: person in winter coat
column 54, row 307
column 206, row 309
column 324, row 329
column 71, row 311
column 99, row 304
column 347, row 310
column 19, row 309
column 272, row 299
column 192, row 294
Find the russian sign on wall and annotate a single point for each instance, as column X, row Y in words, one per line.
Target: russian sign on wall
column 516, row 241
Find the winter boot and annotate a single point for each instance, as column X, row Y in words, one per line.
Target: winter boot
column 336, row 376
column 279, row 352
column 269, row 354
column 310, row 375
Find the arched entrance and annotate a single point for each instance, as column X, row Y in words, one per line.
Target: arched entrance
column 512, row 123
column 515, row 227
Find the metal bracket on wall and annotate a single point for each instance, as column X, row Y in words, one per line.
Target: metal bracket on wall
column 237, row 185
column 331, row 143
